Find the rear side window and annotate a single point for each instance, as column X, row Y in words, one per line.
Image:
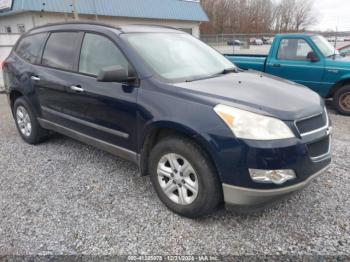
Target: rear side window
column 29, row 47
column 98, row 52
column 60, row 50
column 293, row 49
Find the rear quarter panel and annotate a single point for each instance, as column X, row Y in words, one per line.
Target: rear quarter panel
column 17, row 77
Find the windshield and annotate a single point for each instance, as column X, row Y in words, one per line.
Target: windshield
column 178, row 56
column 325, row 47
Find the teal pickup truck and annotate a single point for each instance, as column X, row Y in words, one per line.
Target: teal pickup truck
column 307, row 59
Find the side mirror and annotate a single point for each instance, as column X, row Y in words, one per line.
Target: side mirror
column 312, row 57
column 114, row 74
column 344, row 53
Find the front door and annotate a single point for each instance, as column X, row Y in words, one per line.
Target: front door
column 291, row 62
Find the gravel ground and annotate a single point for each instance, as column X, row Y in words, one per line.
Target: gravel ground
column 63, row 197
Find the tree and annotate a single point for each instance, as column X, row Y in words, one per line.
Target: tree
column 257, row 16
column 304, row 15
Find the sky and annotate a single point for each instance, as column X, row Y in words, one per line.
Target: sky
column 333, row 13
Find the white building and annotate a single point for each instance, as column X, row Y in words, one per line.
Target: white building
column 18, row 16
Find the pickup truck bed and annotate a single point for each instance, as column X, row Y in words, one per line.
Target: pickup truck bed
column 255, row 62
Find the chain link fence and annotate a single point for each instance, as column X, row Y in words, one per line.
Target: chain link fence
column 240, row 43
column 257, row 43
column 222, row 39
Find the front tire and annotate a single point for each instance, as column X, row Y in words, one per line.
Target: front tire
column 341, row 100
column 184, row 177
column 27, row 124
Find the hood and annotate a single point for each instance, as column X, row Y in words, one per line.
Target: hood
column 258, row 92
column 339, row 61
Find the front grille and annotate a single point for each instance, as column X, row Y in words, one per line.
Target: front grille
column 319, row 148
column 313, row 123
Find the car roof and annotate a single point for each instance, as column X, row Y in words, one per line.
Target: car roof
column 297, row 34
column 96, row 26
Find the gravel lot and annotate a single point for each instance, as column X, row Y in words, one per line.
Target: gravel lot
column 63, row 197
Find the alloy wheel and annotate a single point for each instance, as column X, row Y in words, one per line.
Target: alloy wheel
column 178, row 179
column 23, row 121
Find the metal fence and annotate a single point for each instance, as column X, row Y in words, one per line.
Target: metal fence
column 240, row 43
column 222, row 39
column 258, row 43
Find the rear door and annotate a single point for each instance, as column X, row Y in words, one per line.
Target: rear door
column 20, row 65
column 54, row 76
column 290, row 61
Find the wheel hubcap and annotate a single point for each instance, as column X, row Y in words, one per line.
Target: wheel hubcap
column 23, row 121
column 344, row 101
column 177, row 179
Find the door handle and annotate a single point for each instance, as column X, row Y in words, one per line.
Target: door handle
column 35, row 78
column 77, row 88
column 276, row 65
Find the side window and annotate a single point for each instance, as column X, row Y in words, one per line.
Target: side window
column 29, row 47
column 187, row 30
column 98, row 52
column 60, row 50
column 21, row 28
column 8, row 29
column 293, row 49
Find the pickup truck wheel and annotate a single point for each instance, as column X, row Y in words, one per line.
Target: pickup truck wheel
column 27, row 124
column 184, row 178
column 341, row 100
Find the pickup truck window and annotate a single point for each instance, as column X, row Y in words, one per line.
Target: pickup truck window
column 98, row 52
column 177, row 56
column 325, row 47
column 293, row 49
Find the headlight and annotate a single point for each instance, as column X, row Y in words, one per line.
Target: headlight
column 248, row 125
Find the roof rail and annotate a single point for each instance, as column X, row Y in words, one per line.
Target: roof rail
column 75, row 23
column 152, row 25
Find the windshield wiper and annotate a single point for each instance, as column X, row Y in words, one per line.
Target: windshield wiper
column 226, row 71
column 230, row 70
column 333, row 55
column 223, row 72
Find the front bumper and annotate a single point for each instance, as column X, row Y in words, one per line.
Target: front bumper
column 240, row 197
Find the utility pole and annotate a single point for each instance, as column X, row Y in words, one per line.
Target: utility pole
column 96, row 16
column 75, row 11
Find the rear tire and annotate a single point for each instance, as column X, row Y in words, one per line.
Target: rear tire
column 341, row 100
column 27, row 124
column 184, row 178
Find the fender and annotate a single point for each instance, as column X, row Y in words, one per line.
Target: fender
column 344, row 80
column 178, row 128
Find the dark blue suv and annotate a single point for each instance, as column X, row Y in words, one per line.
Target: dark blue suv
column 205, row 131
